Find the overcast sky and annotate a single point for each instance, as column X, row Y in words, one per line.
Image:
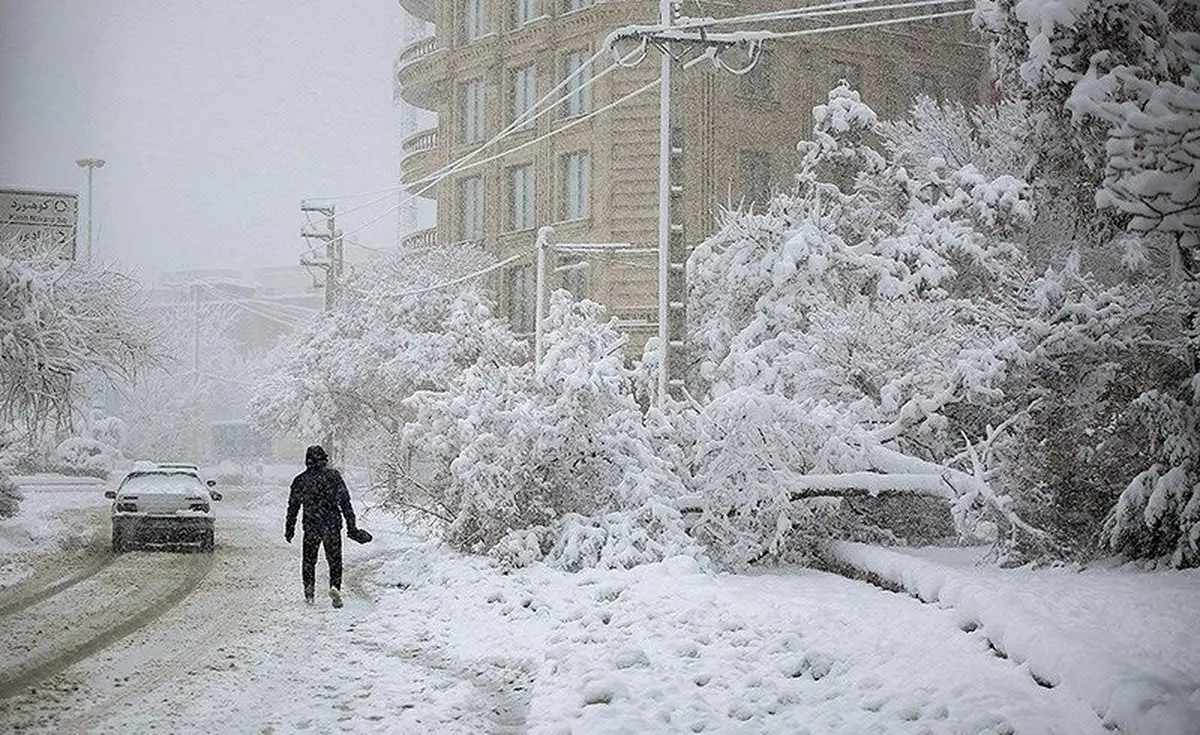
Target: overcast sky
column 215, row 119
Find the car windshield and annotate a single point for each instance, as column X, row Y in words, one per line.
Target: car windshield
column 162, row 481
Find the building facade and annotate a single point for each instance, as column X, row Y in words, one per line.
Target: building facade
column 592, row 171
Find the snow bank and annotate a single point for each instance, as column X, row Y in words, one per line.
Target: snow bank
column 40, row 524
column 1121, row 641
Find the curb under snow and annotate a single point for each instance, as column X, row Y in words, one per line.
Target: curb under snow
column 1134, row 696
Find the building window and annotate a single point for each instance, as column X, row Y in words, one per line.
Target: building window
column 758, row 84
column 524, row 94
column 522, row 297
column 569, row 5
column 474, row 19
column 470, row 209
column 471, row 99
column 756, row 175
column 577, row 174
column 520, row 197
column 848, row 71
column 579, row 92
column 524, row 11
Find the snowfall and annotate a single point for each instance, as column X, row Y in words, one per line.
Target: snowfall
column 432, row 641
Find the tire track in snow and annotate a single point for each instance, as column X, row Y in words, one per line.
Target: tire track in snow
column 46, row 591
column 202, row 646
column 28, row 673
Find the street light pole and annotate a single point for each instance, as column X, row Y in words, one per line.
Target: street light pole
column 90, row 164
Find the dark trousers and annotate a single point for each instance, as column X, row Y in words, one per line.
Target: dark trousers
column 332, row 540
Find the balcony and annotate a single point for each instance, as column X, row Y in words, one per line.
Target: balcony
column 423, row 9
column 419, row 160
column 419, row 68
column 419, row 240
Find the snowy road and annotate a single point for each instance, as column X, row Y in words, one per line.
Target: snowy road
column 431, row 642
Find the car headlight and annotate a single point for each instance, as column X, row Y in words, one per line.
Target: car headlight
column 127, row 506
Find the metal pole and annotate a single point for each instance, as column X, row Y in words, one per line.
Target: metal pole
column 88, row 254
column 196, row 370
column 543, row 238
column 664, row 199
column 90, row 164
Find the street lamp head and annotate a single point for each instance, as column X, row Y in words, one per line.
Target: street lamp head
column 89, row 162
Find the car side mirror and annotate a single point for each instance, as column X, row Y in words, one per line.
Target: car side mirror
column 110, row 494
column 214, row 494
column 211, row 483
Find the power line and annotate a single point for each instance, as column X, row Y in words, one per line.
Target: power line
column 461, row 163
column 469, row 277
column 865, row 24
column 832, row 8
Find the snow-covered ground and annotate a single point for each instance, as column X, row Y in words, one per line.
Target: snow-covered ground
column 434, row 642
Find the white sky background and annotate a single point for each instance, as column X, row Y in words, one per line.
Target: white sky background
column 215, row 120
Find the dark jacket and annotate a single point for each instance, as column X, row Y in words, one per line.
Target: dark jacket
column 322, row 493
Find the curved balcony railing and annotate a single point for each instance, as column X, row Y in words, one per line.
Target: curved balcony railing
column 416, row 50
column 416, row 73
column 419, row 162
column 422, row 141
column 420, row 239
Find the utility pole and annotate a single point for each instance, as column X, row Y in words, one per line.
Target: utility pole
column 673, row 32
column 333, row 267
column 672, row 248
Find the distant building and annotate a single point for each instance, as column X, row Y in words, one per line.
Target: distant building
column 734, row 136
column 258, row 307
column 267, row 302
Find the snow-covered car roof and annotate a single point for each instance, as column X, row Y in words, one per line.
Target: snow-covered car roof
column 178, row 466
column 163, row 479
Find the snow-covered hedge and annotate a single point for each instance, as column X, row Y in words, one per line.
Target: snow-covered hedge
column 80, row 456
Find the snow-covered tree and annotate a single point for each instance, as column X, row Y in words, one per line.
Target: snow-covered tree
column 59, row 321
column 62, row 324
column 552, row 462
column 882, row 299
column 1113, row 89
column 392, row 334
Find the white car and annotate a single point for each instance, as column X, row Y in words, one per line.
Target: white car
column 162, row 506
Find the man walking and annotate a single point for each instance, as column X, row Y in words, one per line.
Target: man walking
column 320, row 490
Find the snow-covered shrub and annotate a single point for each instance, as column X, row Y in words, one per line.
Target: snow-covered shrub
column 80, row 456
column 108, row 430
column 748, row 445
column 543, row 456
column 1113, row 90
column 1158, row 514
column 10, row 496
column 620, row 539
